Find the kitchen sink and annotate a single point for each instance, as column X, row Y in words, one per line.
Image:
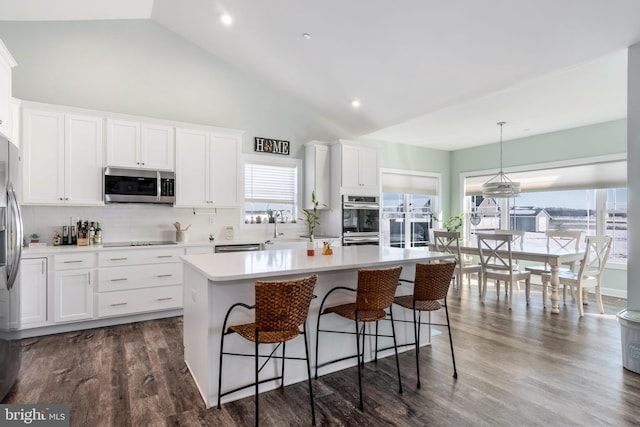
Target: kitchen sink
column 126, row 244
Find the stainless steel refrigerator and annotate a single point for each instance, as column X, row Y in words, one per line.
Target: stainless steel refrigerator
column 10, row 252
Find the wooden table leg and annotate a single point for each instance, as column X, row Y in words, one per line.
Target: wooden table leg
column 554, row 290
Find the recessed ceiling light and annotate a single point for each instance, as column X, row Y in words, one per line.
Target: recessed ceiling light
column 306, row 36
column 355, row 103
column 226, row 19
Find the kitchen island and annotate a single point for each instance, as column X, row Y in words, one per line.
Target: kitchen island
column 214, row 282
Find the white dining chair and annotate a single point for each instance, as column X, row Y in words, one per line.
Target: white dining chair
column 556, row 240
column 449, row 242
column 517, row 242
column 497, row 263
column 589, row 274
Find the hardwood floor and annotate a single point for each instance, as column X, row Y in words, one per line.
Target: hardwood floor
column 524, row 367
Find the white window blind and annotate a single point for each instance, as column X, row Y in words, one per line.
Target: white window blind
column 588, row 176
column 270, row 183
column 396, row 182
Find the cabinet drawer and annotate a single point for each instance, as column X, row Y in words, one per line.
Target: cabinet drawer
column 135, row 257
column 139, row 276
column 139, row 301
column 73, row 261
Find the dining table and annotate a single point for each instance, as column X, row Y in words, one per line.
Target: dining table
column 553, row 257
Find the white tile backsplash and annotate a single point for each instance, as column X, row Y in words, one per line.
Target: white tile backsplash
column 145, row 222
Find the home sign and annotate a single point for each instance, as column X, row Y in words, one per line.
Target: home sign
column 274, row 146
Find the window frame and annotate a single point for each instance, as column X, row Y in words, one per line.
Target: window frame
column 601, row 196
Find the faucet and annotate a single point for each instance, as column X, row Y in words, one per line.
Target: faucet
column 275, row 225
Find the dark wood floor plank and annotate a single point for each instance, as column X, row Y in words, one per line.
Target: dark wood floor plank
column 518, row 367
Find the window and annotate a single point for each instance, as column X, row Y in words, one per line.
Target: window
column 591, row 198
column 270, row 190
column 408, row 203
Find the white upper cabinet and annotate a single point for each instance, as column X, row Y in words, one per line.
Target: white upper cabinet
column 317, row 173
column 6, row 63
column 132, row 144
column 357, row 168
column 62, row 158
column 207, row 167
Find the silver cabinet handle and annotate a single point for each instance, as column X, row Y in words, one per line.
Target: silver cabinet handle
column 118, row 303
column 73, row 261
column 164, row 275
column 118, row 259
column 119, row 280
column 165, row 299
column 165, row 256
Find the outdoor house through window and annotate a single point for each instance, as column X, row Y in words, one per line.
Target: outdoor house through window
column 590, row 197
column 270, row 190
column 408, row 202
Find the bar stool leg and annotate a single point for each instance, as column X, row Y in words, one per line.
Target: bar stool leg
column 317, row 340
column 220, row 368
column 306, row 352
column 417, row 338
column 256, row 367
column 283, row 355
column 376, row 354
column 395, row 347
column 453, row 357
column 361, row 405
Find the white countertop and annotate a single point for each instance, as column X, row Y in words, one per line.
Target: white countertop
column 43, row 251
column 269, row 263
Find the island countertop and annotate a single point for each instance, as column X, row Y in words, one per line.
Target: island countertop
column 263, row 264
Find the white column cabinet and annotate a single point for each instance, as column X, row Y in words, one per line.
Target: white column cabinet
column 33, row 292
column 73, row 287
column 62, row 158
column 6, row 63
column 207, row 168
column 132, row 144
column 317, row 173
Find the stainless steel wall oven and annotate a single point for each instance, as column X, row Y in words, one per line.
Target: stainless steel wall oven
column 360, row 220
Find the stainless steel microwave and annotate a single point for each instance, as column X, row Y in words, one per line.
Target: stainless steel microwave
column 139, row 186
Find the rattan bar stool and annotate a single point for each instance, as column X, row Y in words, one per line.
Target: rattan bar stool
column 431, row 285
column 280, row 309
column 375, row 293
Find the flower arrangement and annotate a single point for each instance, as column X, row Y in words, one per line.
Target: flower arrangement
column 453, row 223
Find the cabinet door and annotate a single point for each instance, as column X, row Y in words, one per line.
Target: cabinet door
column 192, row 168
column 73, row 295
column 368, row 168
column 224, row 169
column 123, row 143
column 317, row 174
column 5, row 95
column 157, row 147
column 43, row 157
column 33, row 292
column 83, row 160
column 350, row 166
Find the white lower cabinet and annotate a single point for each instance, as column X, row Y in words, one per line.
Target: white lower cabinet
column 33, row 292
column 139, row 281
column 73, row 295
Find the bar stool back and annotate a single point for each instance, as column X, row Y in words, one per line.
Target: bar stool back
column 281, row 308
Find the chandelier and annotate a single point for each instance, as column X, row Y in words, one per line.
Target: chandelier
column 500, row 186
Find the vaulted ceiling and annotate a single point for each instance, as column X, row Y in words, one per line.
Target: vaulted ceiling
column 427, row 72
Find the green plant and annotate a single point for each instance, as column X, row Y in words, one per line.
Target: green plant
column 453, row 223
column 311, row 217
column 34, row 236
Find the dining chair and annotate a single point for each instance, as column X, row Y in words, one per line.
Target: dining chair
column 430, row 286
column 556, row 239
column 449, row 242
column 374, row 295
column 497, row 263
column 589, row 274
column 517, row 239
column 280, row 309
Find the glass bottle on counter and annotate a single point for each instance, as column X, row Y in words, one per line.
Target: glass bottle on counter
column 92, row 232
column 98, row 235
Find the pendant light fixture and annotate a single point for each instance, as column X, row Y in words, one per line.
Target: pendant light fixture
column 500, row 186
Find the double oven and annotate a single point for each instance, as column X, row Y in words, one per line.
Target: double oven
column 360, row 220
